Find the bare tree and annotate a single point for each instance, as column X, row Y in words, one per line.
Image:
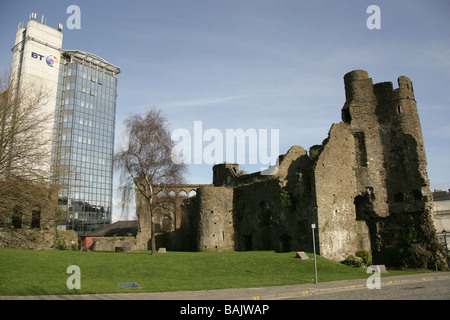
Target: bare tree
column 145, row 161
column 25, row 132
column 26, row 124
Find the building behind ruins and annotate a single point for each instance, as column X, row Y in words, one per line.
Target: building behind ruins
column 365, row 187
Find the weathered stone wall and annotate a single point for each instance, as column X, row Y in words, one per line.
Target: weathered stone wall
column 173, row 216
column 258, row 217
column 391, row 175
column 340, row 233
column 111, row 243
column 27, row 218
column 38, row 239
column 276, row 212
column 298, row 197
column 359, row 112
column 215, row 219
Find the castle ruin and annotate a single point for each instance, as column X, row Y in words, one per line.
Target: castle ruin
column 365, row 187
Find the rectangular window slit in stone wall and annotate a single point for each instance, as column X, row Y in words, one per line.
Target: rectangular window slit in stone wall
column 16, row 219
column 35, row 219
column 360, row 149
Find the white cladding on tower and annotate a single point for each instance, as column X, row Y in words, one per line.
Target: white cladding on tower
column 36, row 60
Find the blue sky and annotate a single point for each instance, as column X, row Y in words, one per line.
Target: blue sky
column 275, row 64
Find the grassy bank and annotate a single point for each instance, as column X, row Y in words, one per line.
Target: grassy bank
column 25, row 272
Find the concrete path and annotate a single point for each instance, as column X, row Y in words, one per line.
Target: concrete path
column 264, row 293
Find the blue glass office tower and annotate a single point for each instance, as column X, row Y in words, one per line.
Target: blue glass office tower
column 80, row 90
column 83, row 139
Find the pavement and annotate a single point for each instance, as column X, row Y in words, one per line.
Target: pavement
column 263, row 293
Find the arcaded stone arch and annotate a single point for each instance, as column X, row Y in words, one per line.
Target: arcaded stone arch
column 173, row 218
column 161, row 194
column 172, row 193
column 182, row 194
column 192, row 193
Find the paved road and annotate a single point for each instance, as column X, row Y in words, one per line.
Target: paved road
column 410, row 289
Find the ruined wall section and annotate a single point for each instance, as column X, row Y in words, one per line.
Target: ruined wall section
column 276, row 213
column 174, row 215
column 292, row 163
column 365, row 187
column 27, row 218
column 228, row 174
column 225, row 174
column 340, row 233
column 390, row 152
column 410, row 202
column 359, row 112
column 298, row 199
column 393, row 188
column 258, row 219
column 403, row 147
column 215, row 219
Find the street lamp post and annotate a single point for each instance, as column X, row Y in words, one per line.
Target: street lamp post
column 313, row 226
column 444, row 233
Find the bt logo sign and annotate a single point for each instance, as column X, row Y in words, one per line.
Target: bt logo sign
column 50, row 59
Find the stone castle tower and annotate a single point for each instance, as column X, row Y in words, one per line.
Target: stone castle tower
column 365, row 187
column 389, row 186
column 390, row 153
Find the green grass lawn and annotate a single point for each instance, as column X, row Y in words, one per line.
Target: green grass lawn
column 27, row 272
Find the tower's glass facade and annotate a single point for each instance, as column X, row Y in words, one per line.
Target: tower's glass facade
column 84, row 139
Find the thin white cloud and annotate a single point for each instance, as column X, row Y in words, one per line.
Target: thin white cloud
column 205, row 101
column 440, row 58
column 442, row 132
column 434, row 107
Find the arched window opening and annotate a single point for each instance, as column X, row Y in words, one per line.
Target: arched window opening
column 166, row 223
column 161, row 194
column 192, row 193
column 182, row 193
